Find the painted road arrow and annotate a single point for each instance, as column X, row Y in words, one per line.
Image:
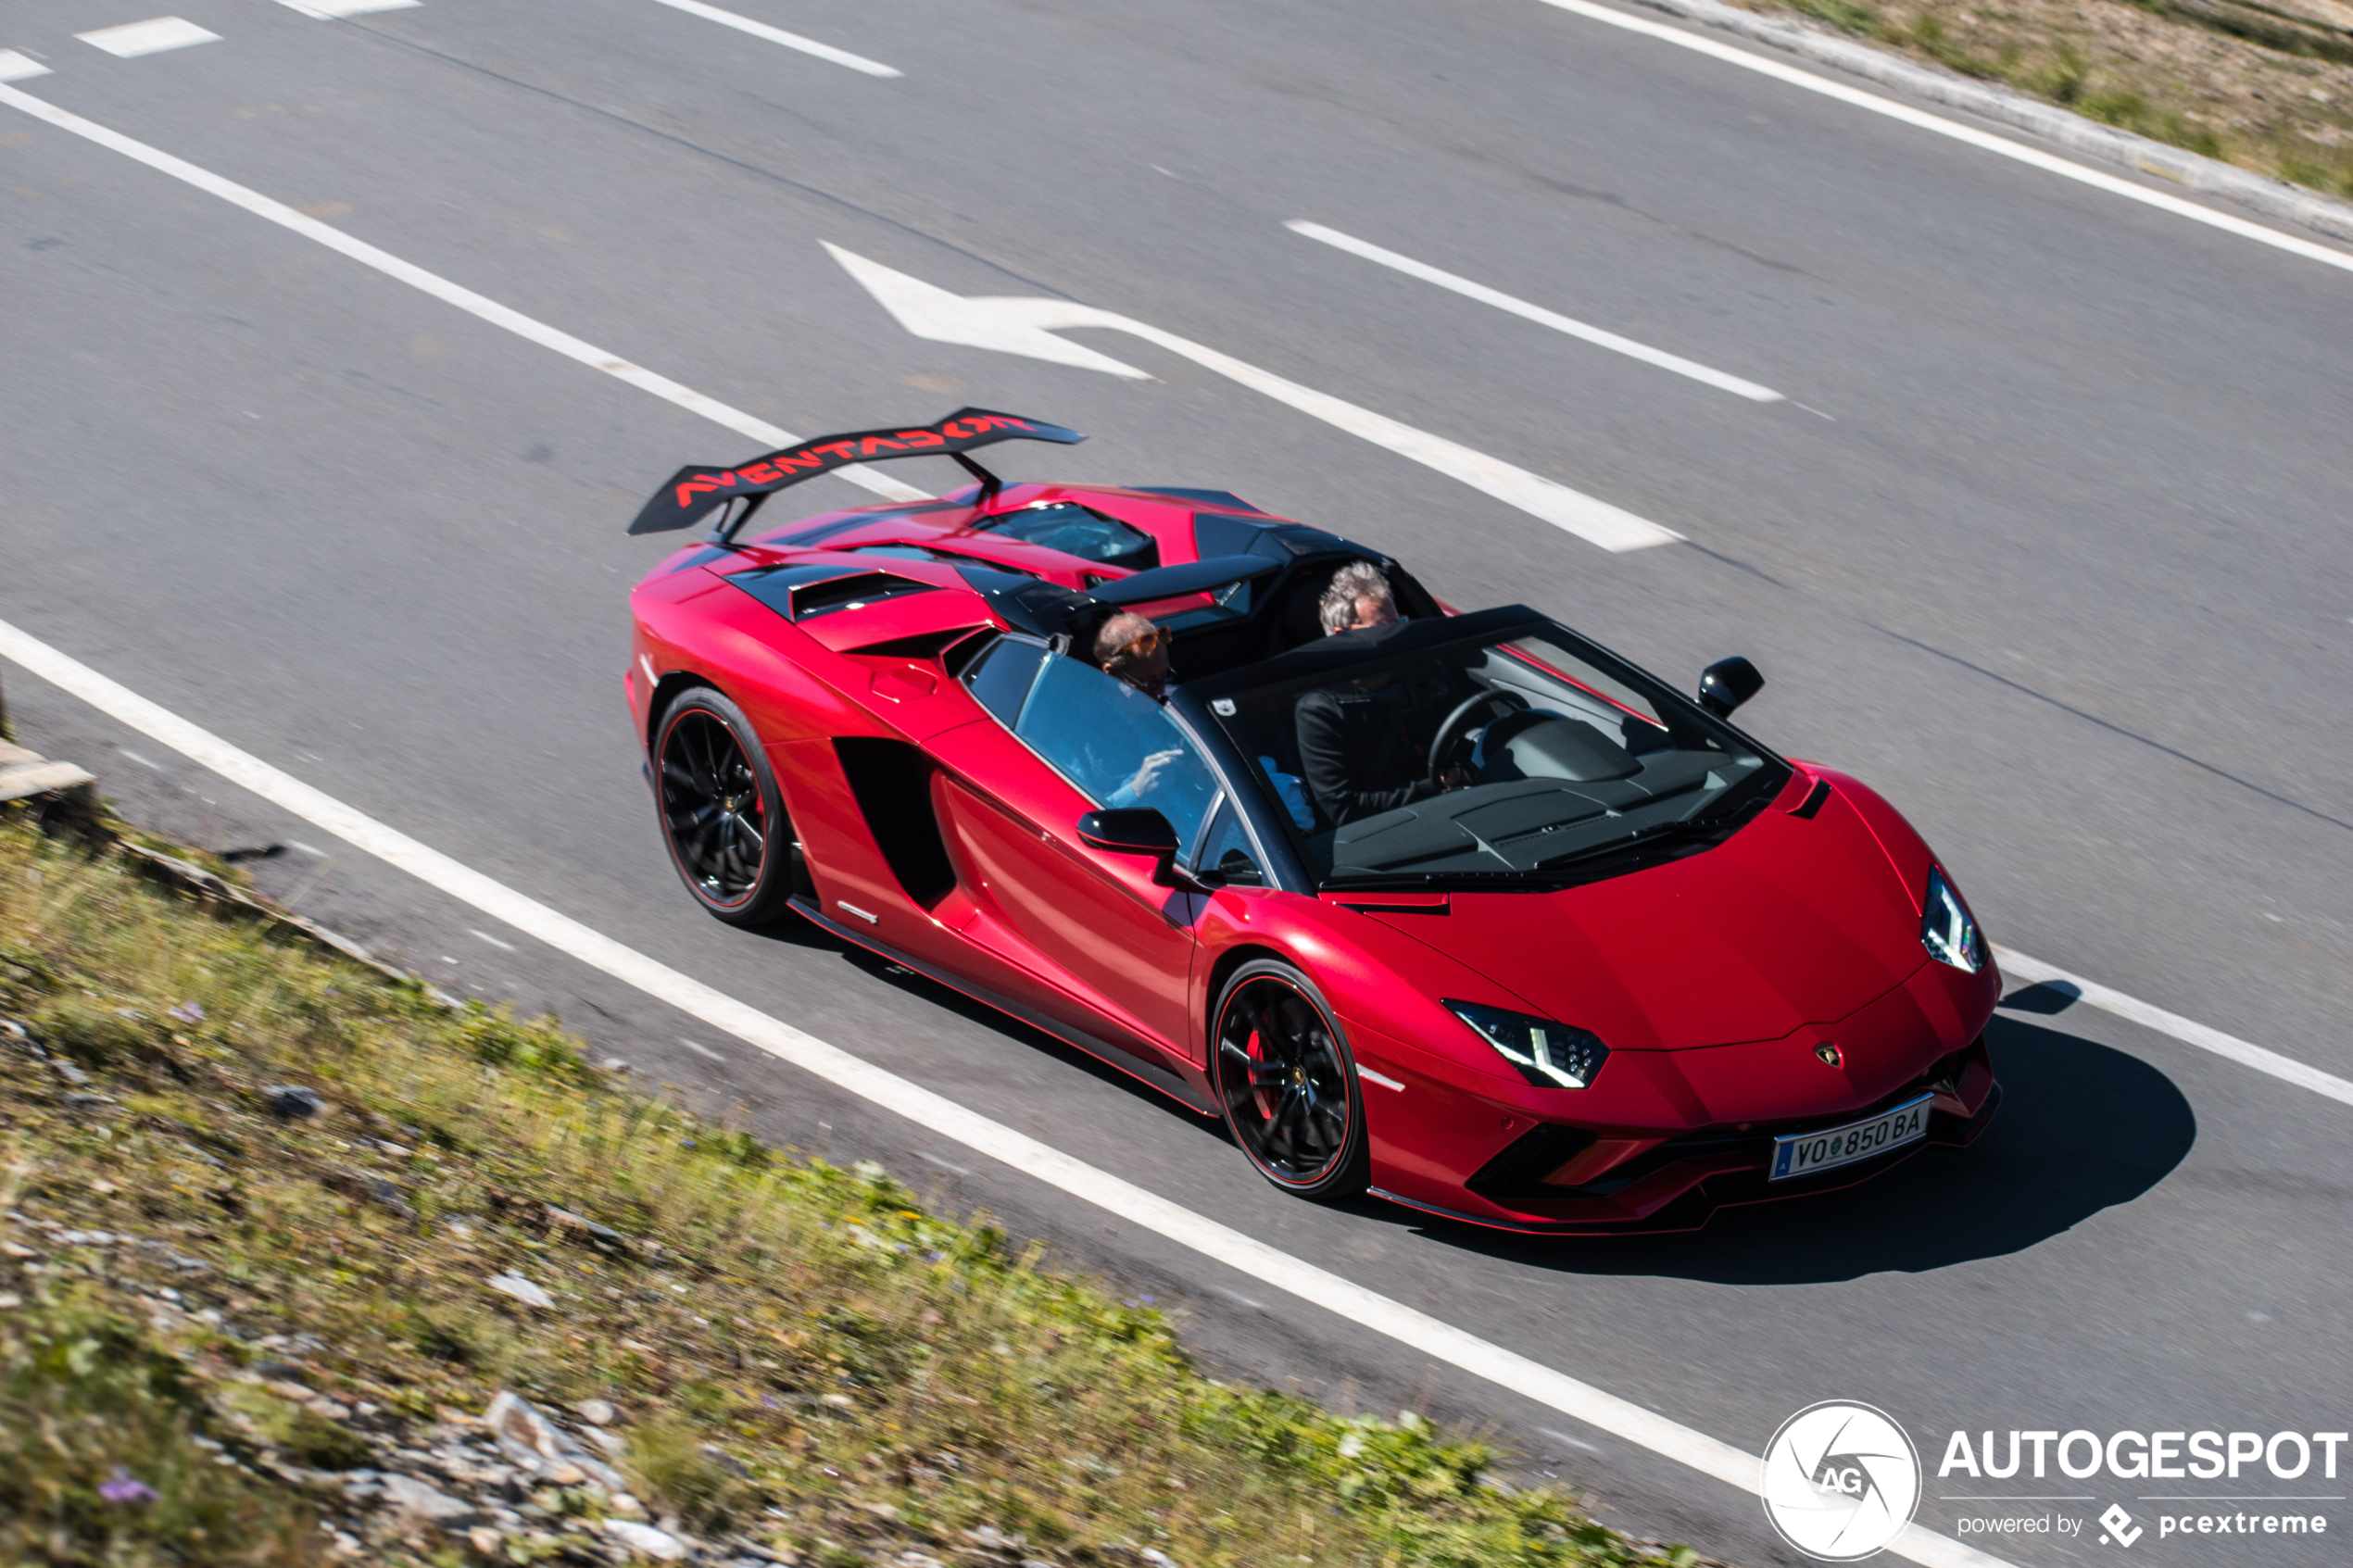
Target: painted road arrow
column 1028, row 326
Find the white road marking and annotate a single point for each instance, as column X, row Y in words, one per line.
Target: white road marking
column 17, row 66
column 2035, row 971
column 703, row 1050
column 441, row 288
column 332, row 10
column 936, row 1113
column 1028, row 326
column 2034, row 156
column 1599, row 336
column 1572, row 1442
column 485, row 936
column 150, row 37
column 778, row 35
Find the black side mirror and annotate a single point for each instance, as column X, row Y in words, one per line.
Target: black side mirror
column 1136, row 830
column 1726, row 684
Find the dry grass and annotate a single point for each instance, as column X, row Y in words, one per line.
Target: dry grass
column 2169, row 69
column 800, row 1354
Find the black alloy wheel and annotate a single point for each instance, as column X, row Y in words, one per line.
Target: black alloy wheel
column 720, row 813
column 1286, row 1084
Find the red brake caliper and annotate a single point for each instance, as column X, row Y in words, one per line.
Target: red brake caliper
column 1265, row 1101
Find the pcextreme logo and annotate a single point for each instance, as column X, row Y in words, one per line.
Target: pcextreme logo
column 1842, row 1480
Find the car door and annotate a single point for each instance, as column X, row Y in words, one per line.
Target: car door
column 1080, row 739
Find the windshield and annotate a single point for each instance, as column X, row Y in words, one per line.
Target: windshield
column 1515, row 756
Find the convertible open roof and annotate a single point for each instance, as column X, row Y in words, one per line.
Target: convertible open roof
column 694, row 491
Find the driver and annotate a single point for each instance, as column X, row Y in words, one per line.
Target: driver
column 1364, row 743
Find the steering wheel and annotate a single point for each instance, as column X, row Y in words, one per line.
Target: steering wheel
column 1494, row 703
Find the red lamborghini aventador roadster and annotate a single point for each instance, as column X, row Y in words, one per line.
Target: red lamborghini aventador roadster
column 1460, row 909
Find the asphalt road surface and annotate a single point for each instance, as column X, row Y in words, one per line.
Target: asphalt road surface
column 2046, row 539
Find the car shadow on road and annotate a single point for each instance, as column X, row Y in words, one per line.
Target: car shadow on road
column 2081, row 1128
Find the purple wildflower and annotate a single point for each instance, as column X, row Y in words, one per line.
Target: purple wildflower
column 187, row 1012
column 123, row 1489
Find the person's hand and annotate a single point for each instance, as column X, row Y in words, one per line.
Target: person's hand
column 1147, row 776
column 1456, row 777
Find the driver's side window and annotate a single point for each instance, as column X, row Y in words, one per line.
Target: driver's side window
column 1117, row 745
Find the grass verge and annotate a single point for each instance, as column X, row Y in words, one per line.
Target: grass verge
column 275, row 1233
column 2268, row 86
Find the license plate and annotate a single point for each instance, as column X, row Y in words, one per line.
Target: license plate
column 1802, row 1154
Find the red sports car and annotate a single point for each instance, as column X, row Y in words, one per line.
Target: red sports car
column 1463, row 910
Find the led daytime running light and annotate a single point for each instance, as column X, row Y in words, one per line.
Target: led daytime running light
column 1947, row 930
column 1548, row 1055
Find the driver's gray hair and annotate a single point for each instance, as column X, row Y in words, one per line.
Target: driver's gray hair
column 1357, row 579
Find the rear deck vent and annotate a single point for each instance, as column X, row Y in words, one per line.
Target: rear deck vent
column 854, row 591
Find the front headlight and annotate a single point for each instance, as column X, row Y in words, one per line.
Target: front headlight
column 1548, row 1055
column 1947, row 930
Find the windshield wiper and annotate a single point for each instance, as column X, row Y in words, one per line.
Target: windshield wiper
column 1651, row 834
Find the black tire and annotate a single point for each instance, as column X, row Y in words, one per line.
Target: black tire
column 723, row 817
column 1287, row 1082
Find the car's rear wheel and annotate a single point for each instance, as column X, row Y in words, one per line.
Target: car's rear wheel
column 1286, row 1084
column 721, row 815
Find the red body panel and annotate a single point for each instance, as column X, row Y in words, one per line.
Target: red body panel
column 1720, row 981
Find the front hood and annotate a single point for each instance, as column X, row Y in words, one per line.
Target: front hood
column 1790, row 921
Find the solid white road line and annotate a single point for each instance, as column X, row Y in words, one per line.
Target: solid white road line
column 331, row 10
column 1536, row 313
column 15, row 66
column 2019, row 966
column 778, row 35
column 441, row 288
column 1416, row 1330
column 148, row 37
column 1028, row 326
column 2032, row 156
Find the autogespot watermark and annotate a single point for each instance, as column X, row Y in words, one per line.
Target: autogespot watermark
column 1842, row 1480
column 2241, row 1457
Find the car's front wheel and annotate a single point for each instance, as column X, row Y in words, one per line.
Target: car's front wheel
column 721, row 815
column 1286, row 1084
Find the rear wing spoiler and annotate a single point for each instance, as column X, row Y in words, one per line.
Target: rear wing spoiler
column 695, row 490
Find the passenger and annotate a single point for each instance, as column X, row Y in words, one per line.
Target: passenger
column 1130, row 647
column 1364, row 744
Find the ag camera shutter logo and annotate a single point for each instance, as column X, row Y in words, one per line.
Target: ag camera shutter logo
column 1842, row 1481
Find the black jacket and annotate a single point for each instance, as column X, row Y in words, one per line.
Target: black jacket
column 1364, row 751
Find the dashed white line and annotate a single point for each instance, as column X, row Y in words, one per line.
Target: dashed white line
column 334, row 10
column 2002, row 146
column 485, row 937
column 17, row 66
column 1028, row 325
column 441, row 288
column 150, row 37
column 2189, row 1030
column 939, row 1115
column 1599, row 336
column 778, row 35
